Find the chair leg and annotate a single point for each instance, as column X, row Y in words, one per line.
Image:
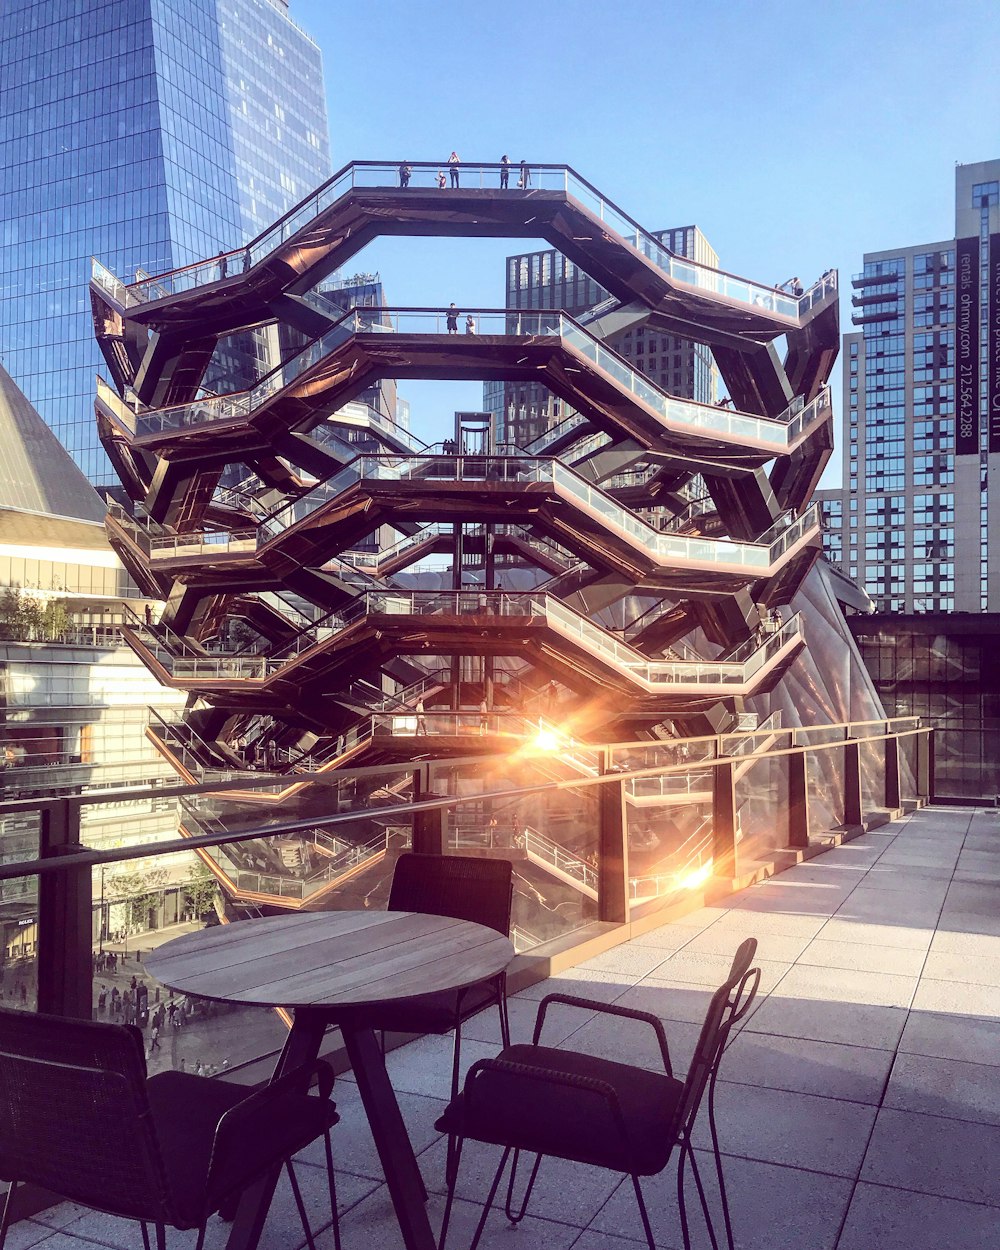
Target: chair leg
column 723, row 1195
column 456, row 1061
column 516, row 1219
column 332, row 1182
column 145, row 1235
column 504, row 1018
column 706, row 1211
column 5, row 1215
column 293, row 1181
column 161, row 1237
column 199, row 1244
column 643, row 1212
column 451, row 1181
column 489, row 1199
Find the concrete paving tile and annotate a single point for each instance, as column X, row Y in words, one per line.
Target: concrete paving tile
column 974, row 946
column 773, row 1208
column 838, row 929
column 822, row 1021
column 801, row 900
column 964, row 1091
column 952, row 1037
column 848, row 985
column 800, row 1065
column 569, row 1193
column 958, row 997
column 626, row 1041
column 774, row 947
column 670, row 1000
column 424, row 1066
column 628, row 961
column 353, row 1148
column 941, row 966
column 670, row 937
column 959, row 920
column 800, row 1130
column 877, row 906
column 933, row 1155
column 886, row 959
column 712, row 970
column 25, row 1234
column 783, row 923
column 894, row 1219
column 372, row 1225
column 559, row 1022
column 583, row 982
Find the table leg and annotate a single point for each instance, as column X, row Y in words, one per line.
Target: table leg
column 391, row 1138
column 302, row 1046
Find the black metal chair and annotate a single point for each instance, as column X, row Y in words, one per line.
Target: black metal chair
column 612, row 1115
column 79, row 1116
column 464, row 887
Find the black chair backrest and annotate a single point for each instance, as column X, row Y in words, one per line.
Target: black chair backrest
column 465, row 887
column 74, row 1115
column 730, row 1003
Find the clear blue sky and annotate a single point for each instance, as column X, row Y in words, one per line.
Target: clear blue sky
column 797, row 134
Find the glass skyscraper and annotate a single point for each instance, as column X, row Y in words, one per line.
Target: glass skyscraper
column 146, row 133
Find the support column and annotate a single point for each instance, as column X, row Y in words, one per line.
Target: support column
column 428, row 827
column 724, row 821
column 798, row 800
column 65, row 902
column 892, row 792
column 925, row 765
column 612, row 849
column 853, row 805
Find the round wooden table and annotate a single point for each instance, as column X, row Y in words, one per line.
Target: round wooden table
column 315, row 963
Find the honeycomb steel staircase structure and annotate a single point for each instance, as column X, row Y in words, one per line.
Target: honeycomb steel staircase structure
column 631, row 569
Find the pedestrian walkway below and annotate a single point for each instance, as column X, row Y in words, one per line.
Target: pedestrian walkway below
column 858, row 1108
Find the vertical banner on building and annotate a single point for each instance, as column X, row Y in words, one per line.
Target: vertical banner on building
column 967, row 347
column 993, row 346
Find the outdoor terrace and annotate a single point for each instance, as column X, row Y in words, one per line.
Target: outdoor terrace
column 859, row 1105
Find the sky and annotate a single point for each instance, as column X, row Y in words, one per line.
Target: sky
column 798, row 134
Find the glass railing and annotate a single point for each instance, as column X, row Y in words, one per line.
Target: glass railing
column 664, row 546
column 656, row 673
column 123, row 413
column 780, row 432
column 476, row 175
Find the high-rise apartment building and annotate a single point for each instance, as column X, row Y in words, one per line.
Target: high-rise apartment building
column 913, row 520
column 524, row 410
column 146, row 133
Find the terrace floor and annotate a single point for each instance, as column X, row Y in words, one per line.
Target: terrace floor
column 859, row 1107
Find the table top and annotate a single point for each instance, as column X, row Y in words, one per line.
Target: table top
column 330, row 958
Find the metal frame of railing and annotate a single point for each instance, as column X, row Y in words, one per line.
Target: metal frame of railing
column 64, row 864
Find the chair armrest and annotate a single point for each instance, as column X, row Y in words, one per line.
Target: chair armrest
column 499, row 1071
column 256, row 1134
column 610, row 1009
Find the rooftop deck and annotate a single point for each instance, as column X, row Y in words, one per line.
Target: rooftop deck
column 859, row 1107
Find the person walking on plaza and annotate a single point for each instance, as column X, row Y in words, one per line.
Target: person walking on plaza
column 525, row 179
column 451, row 320
column 453, row 163
column 504, row 171
column 404, row 175
column 154, row 1038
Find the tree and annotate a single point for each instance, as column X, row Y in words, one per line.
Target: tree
column 138, row 889
column 200, row 889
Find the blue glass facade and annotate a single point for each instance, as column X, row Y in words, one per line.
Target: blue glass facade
column 147, row 133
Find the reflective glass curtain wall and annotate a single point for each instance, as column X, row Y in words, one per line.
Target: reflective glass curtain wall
column 127, row 133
